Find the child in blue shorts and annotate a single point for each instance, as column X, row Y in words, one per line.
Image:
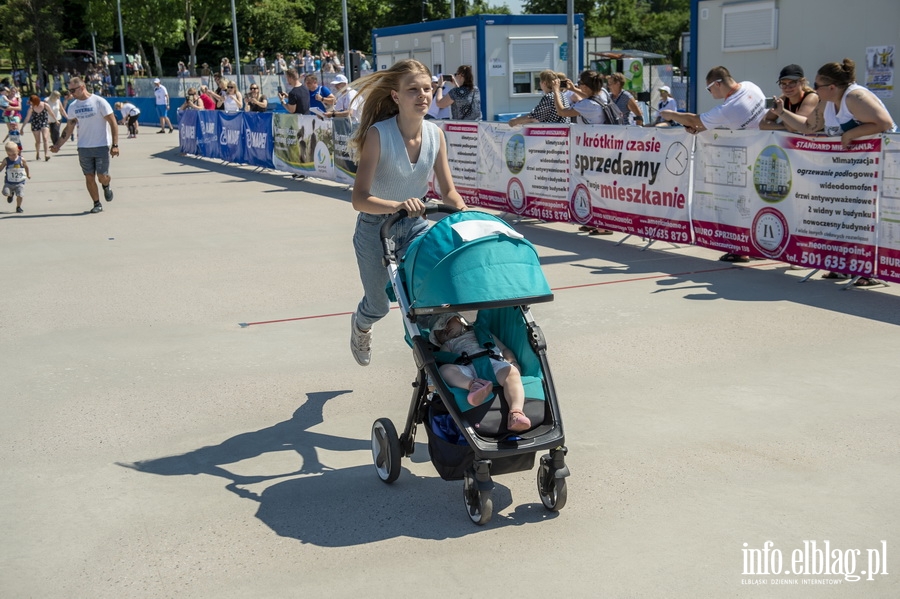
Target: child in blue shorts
column 16, row 173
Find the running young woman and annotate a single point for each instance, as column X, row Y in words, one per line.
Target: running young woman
column 397, row 150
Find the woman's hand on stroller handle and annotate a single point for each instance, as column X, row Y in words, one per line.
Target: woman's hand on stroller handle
column 428, row 207
column 412, row 207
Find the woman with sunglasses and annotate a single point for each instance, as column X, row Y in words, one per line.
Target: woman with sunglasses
column 797, row 95
column 255, row 101
column 231, row 100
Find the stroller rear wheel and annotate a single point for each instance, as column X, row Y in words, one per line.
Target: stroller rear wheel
column 386, row 450
column 479, row 503
column 551, row 489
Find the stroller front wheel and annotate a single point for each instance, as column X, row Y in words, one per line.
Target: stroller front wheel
column 479, row 503
column 386, row 450
column 551, row 489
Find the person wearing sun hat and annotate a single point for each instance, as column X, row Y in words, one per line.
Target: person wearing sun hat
column 797, row 95
column 162, row 106
column 666, row 102
column 347, row 102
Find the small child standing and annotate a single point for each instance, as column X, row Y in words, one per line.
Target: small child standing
column 453, row 334
column 15, row 136
column 16, row 173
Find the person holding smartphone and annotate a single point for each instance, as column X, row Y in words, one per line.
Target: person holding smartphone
column 439, row 87
column 255, row 101
column 297, row 100
column 797, row 95
column 463, row 98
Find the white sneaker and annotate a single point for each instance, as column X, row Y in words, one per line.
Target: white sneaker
column 360, row 343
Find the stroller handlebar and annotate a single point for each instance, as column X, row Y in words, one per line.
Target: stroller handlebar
column 388, row 244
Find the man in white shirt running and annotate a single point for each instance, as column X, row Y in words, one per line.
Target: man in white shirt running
column 98, row 139
column 743, row 106
column 162, row 106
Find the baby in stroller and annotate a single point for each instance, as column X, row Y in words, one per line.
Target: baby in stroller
column 452, row 333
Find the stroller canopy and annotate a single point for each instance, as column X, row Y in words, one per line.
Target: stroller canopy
column 472, row 260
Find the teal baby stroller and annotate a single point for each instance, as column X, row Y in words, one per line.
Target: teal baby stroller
column 473, row 261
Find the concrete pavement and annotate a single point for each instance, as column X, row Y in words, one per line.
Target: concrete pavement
column 153, row 447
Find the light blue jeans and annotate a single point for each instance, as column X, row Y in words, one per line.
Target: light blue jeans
column 374, row 276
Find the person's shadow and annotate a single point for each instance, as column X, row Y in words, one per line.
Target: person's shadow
column 335, row 507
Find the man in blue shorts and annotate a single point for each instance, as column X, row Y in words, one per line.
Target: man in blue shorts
column 98, row 139
column 162, row 106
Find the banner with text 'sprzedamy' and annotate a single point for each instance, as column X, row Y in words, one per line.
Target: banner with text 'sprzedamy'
column 631, row 179
column 802, row 200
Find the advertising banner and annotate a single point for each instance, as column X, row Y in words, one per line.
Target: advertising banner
column 231, row 137
column 889, row 212
column 880, row 71
column 501, row 157
column 541, row 190
column 189, row 132
column 462, row 154
column 631, row 179
column 801, row 200
column 344, row 166
column 725, row 202
column 302, row 144
column 258, row 145
column 208, row 140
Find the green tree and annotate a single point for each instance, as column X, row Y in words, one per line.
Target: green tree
column 273, row 26
column 481, row 7
column 35, row 28
column 651, row 25
column 588, row 8
column 201, row 17
column 157, row 23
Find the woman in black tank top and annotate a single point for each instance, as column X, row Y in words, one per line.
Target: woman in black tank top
column 797, row 95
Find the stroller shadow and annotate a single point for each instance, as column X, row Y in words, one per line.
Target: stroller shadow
column 330, row 507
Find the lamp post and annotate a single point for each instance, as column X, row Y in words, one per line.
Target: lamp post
column 237, row 52
column 347, row 72
column 122, row 47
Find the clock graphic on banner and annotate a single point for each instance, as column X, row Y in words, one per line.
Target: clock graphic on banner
column 770, row 232
column 580, row 204
column 515, row 195
column 677, row 158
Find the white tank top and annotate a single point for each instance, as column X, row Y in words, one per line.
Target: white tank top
column 229, row 104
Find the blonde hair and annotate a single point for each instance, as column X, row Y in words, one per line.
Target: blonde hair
column 118, row 106
column 375, row 89
column 11, row 146
column 548, row 76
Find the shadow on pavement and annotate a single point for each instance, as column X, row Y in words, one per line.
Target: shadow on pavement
column 337, row 507
column 280, row 181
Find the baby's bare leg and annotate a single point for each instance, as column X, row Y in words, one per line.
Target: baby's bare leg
column 511, row 381
column 454, row 376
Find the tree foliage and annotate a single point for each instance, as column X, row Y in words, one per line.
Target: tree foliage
column 650, row 25
column 32, row 29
